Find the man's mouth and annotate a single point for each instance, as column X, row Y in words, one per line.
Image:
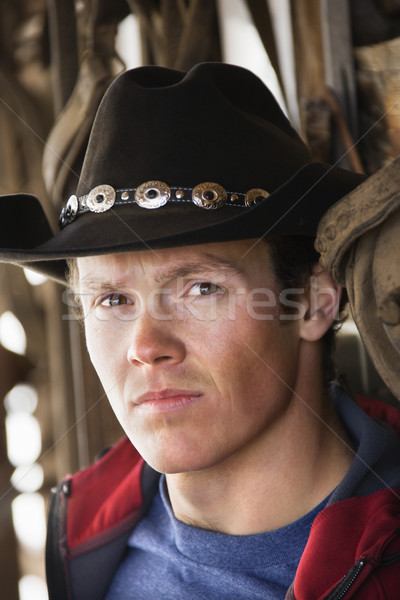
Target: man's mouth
column 167, row 400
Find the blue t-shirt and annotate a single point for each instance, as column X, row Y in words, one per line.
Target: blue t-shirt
column 169, row 560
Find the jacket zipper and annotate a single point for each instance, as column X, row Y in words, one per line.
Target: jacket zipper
column 342, row 587
column 348, row 580
column 55, row 570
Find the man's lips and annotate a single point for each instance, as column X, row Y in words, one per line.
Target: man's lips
column 168, row 399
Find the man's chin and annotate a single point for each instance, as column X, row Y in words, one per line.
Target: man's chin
column 171, row 463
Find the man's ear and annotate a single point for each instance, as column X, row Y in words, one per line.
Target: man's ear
column 323, row 298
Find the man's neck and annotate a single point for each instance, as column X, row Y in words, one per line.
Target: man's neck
column 281, row 476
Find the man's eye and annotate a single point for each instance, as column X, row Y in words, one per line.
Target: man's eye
column 115, row 300
column 205, row 288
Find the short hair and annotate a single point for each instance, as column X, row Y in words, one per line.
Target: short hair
column 293, row 259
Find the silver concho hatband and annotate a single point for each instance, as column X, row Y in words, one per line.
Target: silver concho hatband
column 155, row 194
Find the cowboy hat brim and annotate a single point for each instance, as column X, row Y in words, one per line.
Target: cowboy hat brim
column 295, row 208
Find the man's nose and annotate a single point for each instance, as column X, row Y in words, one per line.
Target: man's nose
column 154, row 342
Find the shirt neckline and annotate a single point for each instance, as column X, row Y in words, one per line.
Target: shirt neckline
column 258, row 551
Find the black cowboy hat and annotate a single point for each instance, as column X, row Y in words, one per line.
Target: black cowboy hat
column 174, row 159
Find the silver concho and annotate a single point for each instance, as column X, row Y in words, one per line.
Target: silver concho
column 72, row 206
column 152, row 194
column 209, row 195
column 69, row 212
column 255, row 196
column 100, row 198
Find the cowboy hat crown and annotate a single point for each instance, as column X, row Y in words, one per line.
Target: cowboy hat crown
column 179, row 158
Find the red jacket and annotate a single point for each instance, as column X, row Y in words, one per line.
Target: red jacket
column 353, row 549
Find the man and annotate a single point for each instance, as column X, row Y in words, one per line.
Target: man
column 206, row 314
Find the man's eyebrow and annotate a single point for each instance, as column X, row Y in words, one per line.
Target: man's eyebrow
column 206, row 263
column 98, row 285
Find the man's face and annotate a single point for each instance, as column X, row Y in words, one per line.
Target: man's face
column 190, row 349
